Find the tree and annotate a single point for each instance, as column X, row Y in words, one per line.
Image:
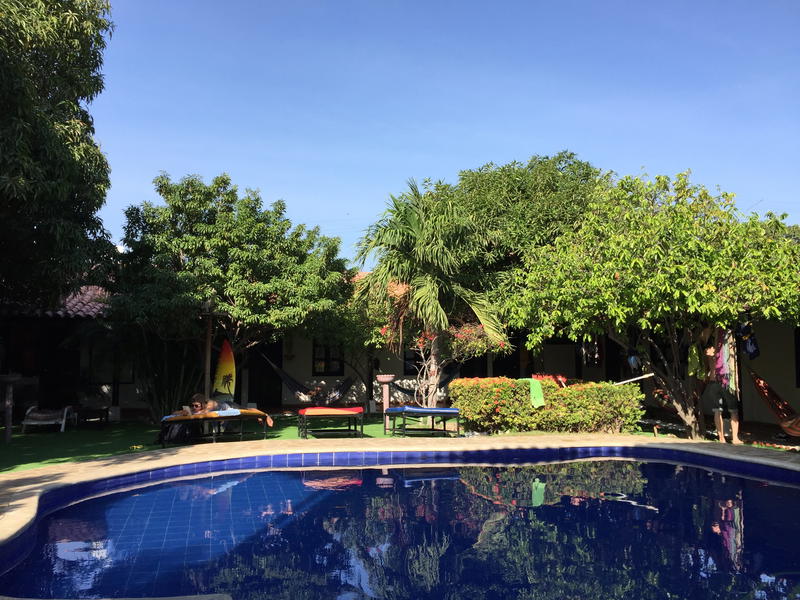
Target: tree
column 650, row 262
column 520, row 206
column 53, row 176
column 793, row 232
column 425, row 276
column 209, row 252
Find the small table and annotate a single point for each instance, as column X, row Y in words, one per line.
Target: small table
column 418, row 412
column 354, row 416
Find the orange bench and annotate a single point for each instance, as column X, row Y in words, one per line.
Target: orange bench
column 354, row 416
column 215, row 420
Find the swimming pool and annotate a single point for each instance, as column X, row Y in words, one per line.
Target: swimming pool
column 633, row 529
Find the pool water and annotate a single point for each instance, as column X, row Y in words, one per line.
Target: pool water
column 597, row 529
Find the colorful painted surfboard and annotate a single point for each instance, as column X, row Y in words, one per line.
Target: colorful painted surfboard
column 225, row 378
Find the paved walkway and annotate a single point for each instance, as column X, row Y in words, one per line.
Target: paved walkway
column 20, row 491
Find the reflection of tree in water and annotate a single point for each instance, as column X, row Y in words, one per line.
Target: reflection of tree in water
column 599, row 529
column 607, row 545
column 269, row 566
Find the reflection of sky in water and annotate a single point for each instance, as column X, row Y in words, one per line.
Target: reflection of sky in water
column 195, row 521
column 424, row 534
column 164, row 528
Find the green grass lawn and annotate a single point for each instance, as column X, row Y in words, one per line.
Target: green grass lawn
column 46, row 446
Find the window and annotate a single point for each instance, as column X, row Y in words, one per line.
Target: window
column 327, row 360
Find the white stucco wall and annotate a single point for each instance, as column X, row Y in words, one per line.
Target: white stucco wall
column 776, row 364
column 297, row 362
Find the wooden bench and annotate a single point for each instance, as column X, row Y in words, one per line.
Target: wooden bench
column 354, row 416
column 420, row 412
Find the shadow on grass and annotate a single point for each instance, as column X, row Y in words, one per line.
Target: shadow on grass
column 136, row 442
column 286, row 428
column 42, row 447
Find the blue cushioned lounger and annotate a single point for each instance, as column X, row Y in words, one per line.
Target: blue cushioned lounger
column 444, row 415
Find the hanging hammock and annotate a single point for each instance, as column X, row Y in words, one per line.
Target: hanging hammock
column 297, row 388
column 448, row 374
column 788, row 418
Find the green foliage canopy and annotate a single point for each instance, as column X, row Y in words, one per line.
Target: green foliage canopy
column 656, row 259
column 427, row 276
column 208, row 247
column 519, row 206
column 53, row 176
column 424, row 246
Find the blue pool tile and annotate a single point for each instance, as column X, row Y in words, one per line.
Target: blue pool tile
column 294, row 460
column 190, row 469
column 413, row 457
column 325, row 459
column 310, row 459
column 126, row 480
column 265, row 462
column 427, row 455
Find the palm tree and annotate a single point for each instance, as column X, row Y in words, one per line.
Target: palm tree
column 426, row 255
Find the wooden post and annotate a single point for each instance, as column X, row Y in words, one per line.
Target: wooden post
column 385, row 380
column 9, row 409
column 9, row 402
column 207, row 386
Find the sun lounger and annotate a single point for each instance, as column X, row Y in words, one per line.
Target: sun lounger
column 215, row 421
column 354, row 416
column 44, row 416
column 419, row 412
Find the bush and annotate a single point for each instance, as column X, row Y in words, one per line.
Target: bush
column 495, row 404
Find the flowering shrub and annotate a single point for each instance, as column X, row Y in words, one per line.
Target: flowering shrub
column 495, row 404
column 470, row 340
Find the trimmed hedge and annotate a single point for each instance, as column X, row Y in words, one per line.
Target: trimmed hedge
column 495, row 404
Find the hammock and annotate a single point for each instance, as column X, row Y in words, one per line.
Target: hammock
column 295, row 387
column 788, row 418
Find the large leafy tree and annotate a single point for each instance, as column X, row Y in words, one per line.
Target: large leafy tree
column 53, row 177
column 209, row 252
column 651, row 262
column 523, row 205
column 427, row 251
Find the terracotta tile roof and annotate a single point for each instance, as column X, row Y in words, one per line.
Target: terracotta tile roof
column 90, row 302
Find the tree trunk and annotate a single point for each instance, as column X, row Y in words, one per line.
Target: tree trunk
column 685, row 400
column 429, row 373
column 682, row 395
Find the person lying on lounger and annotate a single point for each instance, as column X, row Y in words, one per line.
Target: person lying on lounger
column 197, row 406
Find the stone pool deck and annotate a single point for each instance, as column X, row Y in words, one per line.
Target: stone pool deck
column 20, row 491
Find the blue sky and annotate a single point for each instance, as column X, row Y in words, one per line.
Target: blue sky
column 333, row 105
